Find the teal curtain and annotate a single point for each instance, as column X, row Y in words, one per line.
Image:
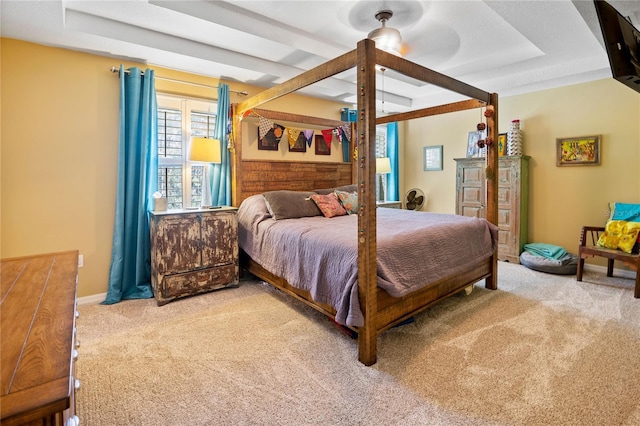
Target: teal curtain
column 220, row 174
column 130, row 270
column 393, row 182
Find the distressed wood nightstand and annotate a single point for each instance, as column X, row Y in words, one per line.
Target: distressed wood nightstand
column 193, row 251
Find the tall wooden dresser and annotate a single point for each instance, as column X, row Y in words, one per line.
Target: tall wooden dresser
column 38, row 309
column 193, row 251
column 513, row 195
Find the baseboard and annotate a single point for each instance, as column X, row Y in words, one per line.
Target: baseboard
column 93, row 299
column 623, row 273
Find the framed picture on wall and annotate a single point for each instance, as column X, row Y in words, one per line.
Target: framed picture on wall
column 300, row 145
column 502, row 144
column 432, row 157
column 578, row 151
column 473, row 151
column 271, row 140
column 322, row 147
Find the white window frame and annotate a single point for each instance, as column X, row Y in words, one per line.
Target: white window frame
column 186, row 106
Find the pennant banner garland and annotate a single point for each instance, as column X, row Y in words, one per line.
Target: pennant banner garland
column 346, row 131
column 328, row 136
column 274, row 131
column 308, row 135
column 293, row 136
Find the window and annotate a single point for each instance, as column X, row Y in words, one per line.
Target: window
column 179, row 119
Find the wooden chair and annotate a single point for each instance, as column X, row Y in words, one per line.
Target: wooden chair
column 588, row 248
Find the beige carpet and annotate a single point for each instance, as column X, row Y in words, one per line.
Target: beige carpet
column 541, row 350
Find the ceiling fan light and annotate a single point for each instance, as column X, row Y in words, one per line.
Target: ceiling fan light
column 386, row 38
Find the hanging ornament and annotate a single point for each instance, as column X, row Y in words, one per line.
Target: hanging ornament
column 481, row 126
column 488, row 113
column 489, row 141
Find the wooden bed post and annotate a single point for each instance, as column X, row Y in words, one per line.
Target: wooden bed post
column 365, row 163
column 491, row 282
column 362, row 172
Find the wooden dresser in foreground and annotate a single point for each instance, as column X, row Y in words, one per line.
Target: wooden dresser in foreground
column 193, row 251
column 38, row 310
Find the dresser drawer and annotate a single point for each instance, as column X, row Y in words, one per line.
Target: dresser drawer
column 198, row 281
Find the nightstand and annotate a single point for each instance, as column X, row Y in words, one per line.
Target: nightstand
column 389, row 204
column 193, row 251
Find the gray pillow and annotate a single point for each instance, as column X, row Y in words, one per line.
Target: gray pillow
column 352, row 187
column 291, row 204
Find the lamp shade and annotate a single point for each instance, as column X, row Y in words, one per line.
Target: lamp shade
column 383, row 165
column 205, row 150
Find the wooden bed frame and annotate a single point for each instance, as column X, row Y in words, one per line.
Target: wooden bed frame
column 380, row 310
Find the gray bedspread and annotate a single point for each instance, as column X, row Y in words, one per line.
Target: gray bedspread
column 320, row 254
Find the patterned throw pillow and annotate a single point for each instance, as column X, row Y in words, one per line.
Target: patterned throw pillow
column 620, row 234
column 349, row 201
column 329, row 205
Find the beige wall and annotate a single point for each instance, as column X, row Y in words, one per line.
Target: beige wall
column 59, row 141
column 562, row 199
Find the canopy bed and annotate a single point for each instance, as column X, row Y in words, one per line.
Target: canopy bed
column 380, row 310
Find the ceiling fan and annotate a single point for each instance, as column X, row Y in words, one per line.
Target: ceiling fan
column 386, row 38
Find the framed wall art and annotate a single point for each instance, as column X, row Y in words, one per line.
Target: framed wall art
column 271, row 140
column 322, row 147
column 502, row 144
column 300, row 145
column 473, row 151
column 432, row 157
column 578, row 151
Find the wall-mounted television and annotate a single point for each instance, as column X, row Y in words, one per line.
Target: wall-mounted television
column 622, row 41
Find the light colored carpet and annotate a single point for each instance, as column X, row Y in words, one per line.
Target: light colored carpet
column 541, row 350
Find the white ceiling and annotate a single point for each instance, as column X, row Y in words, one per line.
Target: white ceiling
column 508, row 47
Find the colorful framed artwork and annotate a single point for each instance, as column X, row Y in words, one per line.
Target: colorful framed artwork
column 300, row 145
column 322, row 147
column 502, row 144
column 578, row 151
column 432, row 158
column 473, row 151
column 271, row 140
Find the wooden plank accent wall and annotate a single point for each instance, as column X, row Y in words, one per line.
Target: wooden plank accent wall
column 268, row 175
column 250, row 177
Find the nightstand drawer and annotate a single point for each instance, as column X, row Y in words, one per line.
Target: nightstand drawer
column 198, row 281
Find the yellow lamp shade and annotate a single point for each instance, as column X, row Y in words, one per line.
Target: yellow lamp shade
column 383, row 165
column 205, row 150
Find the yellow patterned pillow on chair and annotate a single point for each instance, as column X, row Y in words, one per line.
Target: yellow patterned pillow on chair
column 620, row 234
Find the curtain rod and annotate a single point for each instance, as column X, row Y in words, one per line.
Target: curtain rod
column 244, row 93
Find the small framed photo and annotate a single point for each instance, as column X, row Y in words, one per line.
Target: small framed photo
column 502, row 144
column 300, row 145
column 322, row 148
column 473, row 151
column 271, row 140
column 432, row 158
column 578, row 151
